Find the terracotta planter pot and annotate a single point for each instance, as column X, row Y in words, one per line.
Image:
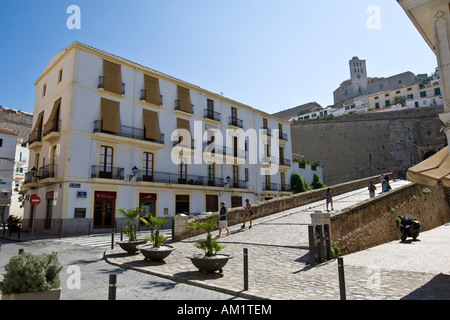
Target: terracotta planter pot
column 54, row 294
column 131, row 246
column 210, row 264
column 155, row 254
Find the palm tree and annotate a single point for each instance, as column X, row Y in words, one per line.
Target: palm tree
column 210, row 245
column 156, row 223
column 131, row 215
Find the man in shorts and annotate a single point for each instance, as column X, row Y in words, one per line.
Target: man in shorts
column 223, row 218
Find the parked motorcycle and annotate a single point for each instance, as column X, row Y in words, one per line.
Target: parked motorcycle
column 409, row 227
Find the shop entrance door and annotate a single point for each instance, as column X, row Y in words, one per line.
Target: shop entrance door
column 104, row 209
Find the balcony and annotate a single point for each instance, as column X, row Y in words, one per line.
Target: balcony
column 144, row 96
column 48, row 171
column 282, row 136
column 270, row 186
column 276, row 187
column 37, row 141
column 177, row 107
column 239, row 184
column 209, row 114
column 54, row 132
column 44, row 172
column 106, row 172
column 226, row 151
column 101, row 84
column 176, row 178
column 127, row 132
column 285, row 162
column 232, row 121
column 267, row 131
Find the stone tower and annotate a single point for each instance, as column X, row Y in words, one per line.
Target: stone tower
column 358, row 73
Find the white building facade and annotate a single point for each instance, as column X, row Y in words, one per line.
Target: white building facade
column 8, row 141
column 105, row 137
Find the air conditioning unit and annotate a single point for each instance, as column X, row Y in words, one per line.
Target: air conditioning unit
column 5, row 194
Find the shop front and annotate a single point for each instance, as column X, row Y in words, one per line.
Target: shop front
column 104, row 209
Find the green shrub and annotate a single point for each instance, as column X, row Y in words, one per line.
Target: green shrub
column 299, row 184
column 26, row 273
column 316, row 182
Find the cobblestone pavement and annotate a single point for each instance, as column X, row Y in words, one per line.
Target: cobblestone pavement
column 278, row 262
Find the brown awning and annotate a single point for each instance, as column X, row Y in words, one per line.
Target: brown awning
column 152, row 92
column 184, row 97
column 110, row 115
column 112, row 77
column 36, row 132
column 432, row 171
column 151, row 125
column 53, row 118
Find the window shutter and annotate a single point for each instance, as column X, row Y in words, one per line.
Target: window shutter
column 151, row 125
column 52, row 119
column 152, row 92
column 184, row 97
column 112, row 77
column 110, row 114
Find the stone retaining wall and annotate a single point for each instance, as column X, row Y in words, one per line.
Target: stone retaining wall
column 265, row 208
column 372, row 222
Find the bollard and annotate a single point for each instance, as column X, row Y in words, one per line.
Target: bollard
column 112, row 287
column 112, row 239
column 89, row 228
column 341, row 278
column 312, row 251
column 245, row 269
column 320, row 255
column 121, row 234
column 18, row 233
column 326, row 229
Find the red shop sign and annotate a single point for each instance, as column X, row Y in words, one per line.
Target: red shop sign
column 147, row 196
column 107, row 195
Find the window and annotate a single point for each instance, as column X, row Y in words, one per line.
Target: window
column 236, row 201
column 265, row 123
column 409, row 89
column 182, row 175
column 181, row 204
column 211, row 174
column 386, row 95
column 1, row 144
column 410, row 96
column 44, row 89
column 423, row 94
column 235, row 176
column 376, row 98
column 147, row 166
column 387, row 103
column 105, row 162
column 437, row 91
column 60, row 74
column 246, row 174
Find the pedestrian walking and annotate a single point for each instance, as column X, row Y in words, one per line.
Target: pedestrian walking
column 385, row 186
column 223, row 221
column 372, row 189
column 248, row 214
column 329, row 199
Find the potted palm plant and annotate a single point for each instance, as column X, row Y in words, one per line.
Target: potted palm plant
column 132, row 216
column 156, row 251
column 32, row 277
column 210, row 261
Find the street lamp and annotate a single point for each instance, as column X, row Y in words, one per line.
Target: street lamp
column 228, row 180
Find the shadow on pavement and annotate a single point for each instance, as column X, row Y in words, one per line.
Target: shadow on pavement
column 438, row 288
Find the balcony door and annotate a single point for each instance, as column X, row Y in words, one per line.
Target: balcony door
column 105, row 163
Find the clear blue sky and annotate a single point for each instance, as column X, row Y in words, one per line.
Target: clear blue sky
column 268, row 54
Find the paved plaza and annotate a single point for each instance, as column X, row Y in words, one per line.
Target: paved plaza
column 278, row 261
